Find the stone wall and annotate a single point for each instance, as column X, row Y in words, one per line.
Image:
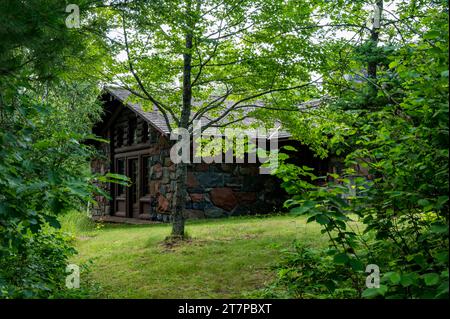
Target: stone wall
column 162, row 182
column 217, row 190
column 213, row 190
column 221, row 190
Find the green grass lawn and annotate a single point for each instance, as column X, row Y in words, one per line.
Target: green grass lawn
column 225, row 258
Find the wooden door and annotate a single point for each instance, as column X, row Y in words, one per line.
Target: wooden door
column 120, row 207
column 133, row 189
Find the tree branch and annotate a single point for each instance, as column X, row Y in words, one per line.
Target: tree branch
column 211, row 105
column 236, row 104
column 159, row 105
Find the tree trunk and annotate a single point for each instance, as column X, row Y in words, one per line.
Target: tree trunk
column 181, row 169
column 374, row 38
column 180, row 195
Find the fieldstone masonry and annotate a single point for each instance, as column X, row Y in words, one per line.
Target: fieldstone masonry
column 213, row 190
column 140, row 141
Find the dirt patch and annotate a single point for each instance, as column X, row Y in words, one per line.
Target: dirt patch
column 240, row 237
column 170, row 245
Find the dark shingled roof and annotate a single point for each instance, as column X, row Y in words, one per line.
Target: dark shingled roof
column 156, row 119
column 153, row 117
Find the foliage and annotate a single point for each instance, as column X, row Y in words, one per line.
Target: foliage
column 46, row 112
column 43, row 174
column 239, row 49
column 395, row 148
column 310, row 273
column 37, row 268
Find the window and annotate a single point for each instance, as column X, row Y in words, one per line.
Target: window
column 147, row 134
column 133, row 166
column 144, row 132
column 119, row 136
column 120, row 170
column 132, row 132
column 147, row 164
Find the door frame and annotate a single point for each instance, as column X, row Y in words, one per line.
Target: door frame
column 128, row 196
column 126, row 156
column 115, row 190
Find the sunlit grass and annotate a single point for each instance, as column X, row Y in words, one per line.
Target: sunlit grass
column 225, row 258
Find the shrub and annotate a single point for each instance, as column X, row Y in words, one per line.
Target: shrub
column 310, row 273
column 37, row 268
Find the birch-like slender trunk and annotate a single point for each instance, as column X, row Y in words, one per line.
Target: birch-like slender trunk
column 181, row 169
column 374, row 38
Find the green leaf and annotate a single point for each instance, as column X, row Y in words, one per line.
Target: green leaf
column 341, row 258
column 431, row 279
column 393, row 277
column 393, row 64
column 322, row 219
column 53, row 221
column 374, row 292
column 443, row 290
column 441, row 256
column 423, row 202
column 330, row 284
column 431, row 34
column 289, row 148
column 306, row 206
column 356, row 264
column 409, row 279
column 439, row 228
column 311, row 219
